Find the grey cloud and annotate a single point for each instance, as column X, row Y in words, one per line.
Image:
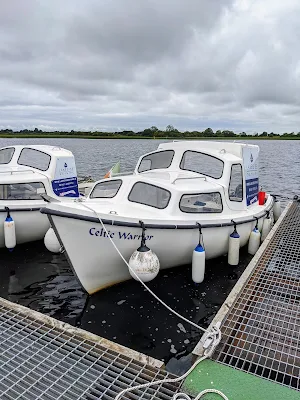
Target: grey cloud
column 129, row 64
column 142, row 31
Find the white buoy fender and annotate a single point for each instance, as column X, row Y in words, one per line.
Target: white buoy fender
column 234, row 248
column 51, row 242
column 9, row 232
column 144, row 263
column 254, row 241
column 276, row 210
column 198, row 264
column 267, row 226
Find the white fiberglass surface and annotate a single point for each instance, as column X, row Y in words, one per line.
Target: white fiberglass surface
column 134, row 212
column 128, row 210
column 22, row 176
column 23, row 203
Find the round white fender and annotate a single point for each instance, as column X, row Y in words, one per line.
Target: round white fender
column 51, row 242
column 9, row 232
column 145, row 263
column 254, row 241
column 234, row 248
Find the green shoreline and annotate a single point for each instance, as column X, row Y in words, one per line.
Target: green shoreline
column 44, row 136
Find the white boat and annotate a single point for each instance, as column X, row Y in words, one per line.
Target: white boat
column 28, row 174
column 171, row 190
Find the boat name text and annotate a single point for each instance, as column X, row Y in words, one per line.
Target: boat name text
column 119, row 235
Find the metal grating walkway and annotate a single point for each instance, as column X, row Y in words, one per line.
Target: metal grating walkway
column 261, row 330
column 42, row 358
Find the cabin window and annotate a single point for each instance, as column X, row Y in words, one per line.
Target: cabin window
column 107, row 189
column 235, row 190
column 202, row 163
column 201, row 203
column 158, row 160
column 149, row 195
column 6, row 155
column 35, row 159
column 22, row 191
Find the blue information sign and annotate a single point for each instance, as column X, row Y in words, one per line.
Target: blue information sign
column 252, row 188
column 250, row 158
column 67, row 187
column 65, row 182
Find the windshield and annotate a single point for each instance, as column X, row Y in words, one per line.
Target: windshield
column 149, row 195
column 201, row 203
column 34, row 158
column 107, row 189
column 22, row 191
column 158, row 160
column 202, row 163
column 6, row 155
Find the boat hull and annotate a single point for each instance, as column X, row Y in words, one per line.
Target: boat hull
column 97, row 264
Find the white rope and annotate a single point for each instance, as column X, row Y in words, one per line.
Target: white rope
column 181, row 396
column 216, row 340
column 213, row 338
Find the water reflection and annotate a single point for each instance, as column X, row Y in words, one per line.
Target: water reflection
column 42, row 281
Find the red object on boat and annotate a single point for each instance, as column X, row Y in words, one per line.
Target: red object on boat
column 261, row 198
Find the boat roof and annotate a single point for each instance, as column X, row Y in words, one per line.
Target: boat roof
column 13, row 172
column 51, row 150
column 206, row 145
column 20, row 174
column 185, row 181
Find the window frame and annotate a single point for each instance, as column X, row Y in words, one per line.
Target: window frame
column 236, row 201
column 6, row 148
column 156, row 152
column 100, row 183
column 195, row 194
column 149, row 205
column 208, row 155
column 23, row 183
column 30, row 166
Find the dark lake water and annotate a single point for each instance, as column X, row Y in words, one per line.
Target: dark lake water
column 126, row 313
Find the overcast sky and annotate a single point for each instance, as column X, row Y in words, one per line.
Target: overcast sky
column 131, row 64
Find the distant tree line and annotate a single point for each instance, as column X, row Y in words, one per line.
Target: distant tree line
column 152, row 132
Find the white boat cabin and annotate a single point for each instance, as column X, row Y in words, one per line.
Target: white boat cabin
column 181, row 179
column 27, row 172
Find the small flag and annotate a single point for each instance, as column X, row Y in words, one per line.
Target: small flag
column 114, row 170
